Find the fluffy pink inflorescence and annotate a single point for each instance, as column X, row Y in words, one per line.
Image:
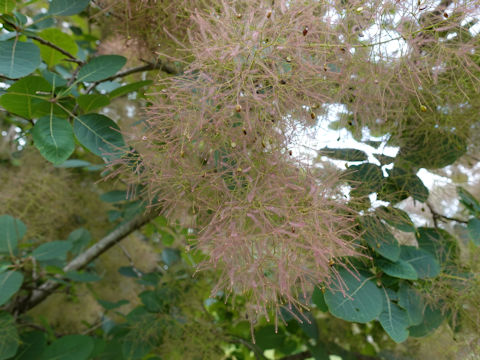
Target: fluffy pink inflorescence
column 218, row 141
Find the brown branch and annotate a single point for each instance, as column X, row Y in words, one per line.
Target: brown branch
column 437, row 216
column 55, row 47
column 82, row 260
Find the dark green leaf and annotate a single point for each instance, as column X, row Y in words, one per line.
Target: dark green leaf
column 114, row 196
column 79, row 238
column 267, row 338
column 379, row 238
column 474, row 230
column 18, row 59
column 67, row 7
column 92, row 102
column 99, row 134
column 412, row 302
column 364, row 179
column 126, row 89
column 318, row 299
column 344, row 154
column 432, row 318
column 70, row 347
column 431, row 148
column 403, row 183
column 108, row 305
column 10, row 283
column 397, row 218
column 170, row 256
column 22, row 98
column 32, row 345
column 394, row 320
column 439, row 243
column 360, row 301
column 129, row 271
column 469, row 201
column 9, row 340
column 52, row 250
column 54, row 79
column 11, row 231
column 74, row 163
column 53, row 137
column 384, row 159
column 422, row 261
column 101, row 67
column 57, row 37
column 399, row 269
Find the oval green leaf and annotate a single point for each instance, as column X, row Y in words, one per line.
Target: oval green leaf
column 18, row 59
column 399, row 269
column 70, row 347
column 22, row 98
column 101, row 67
column 9, row 340
column 432, row 318
column 92, row 102
column 412, row 302
column 361, row 301
column 474, row 230
column 99, row 134
column 67, row 7
column 52, row 250
column 53, row 137
column 57, row 37
column 343, row 154
column 11, row 231
column 422, row 261
column 394, row 320
column 10, row 283
column 379, row 238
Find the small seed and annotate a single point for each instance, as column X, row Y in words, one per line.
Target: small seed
column 269, row 14
column 423, row 108
column 313, row 116
column 238, row 108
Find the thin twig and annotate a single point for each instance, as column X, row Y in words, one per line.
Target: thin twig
column 55, row 47
column 82, row 260
column 437, row 216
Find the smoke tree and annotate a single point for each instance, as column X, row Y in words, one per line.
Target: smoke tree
column 186, row 125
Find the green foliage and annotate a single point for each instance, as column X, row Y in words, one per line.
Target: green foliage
column 67, row 7
column 18, row 59
column 422, row 261
column 10, row 283
column 379, row 238
column 101, row 67
column 54, row 139
column 70, row 347
column 99, row 134
column 394, row 319
column 11, row 231
column 62, row 40
column 344, row 154
column 359, row 300
column 9, row 340
column 53, row 250
column 57, row 98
